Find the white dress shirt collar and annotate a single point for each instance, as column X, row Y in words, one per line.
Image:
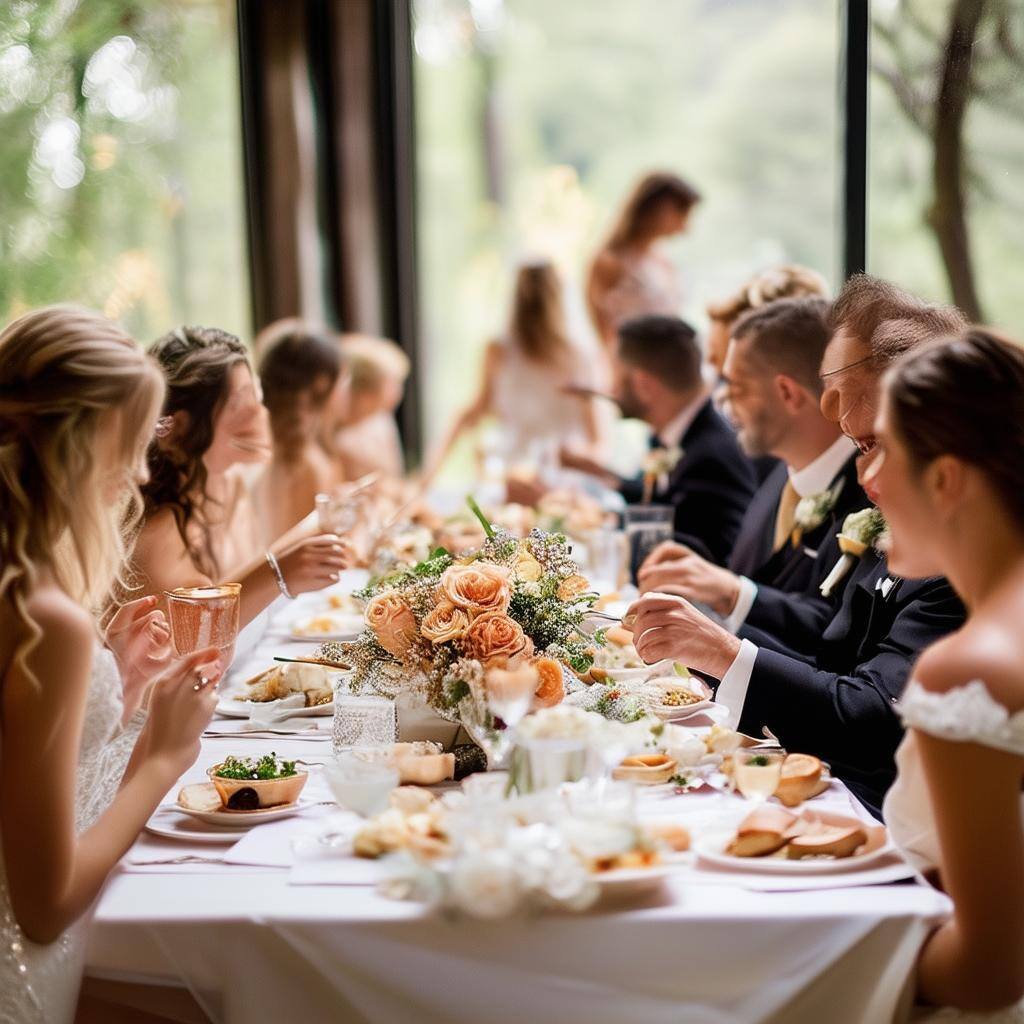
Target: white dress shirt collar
column 672, row 434
column 818, row 474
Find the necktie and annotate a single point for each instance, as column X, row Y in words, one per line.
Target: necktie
column 784, row 518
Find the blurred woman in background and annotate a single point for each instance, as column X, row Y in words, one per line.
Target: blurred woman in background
column 200, row 527
column 363, row 435
column 630, row 275
column 301, row 374
column 527, row 376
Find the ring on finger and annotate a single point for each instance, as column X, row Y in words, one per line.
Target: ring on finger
column 201, row 682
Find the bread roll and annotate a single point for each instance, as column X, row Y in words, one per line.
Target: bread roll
column 200, row 796
column 801, row 774
column 762, row 832
column 825, row 841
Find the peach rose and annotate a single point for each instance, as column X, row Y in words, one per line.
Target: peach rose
column 392, row 622
column 494, row 636
column 526, row 567
column 444, row 623
column 572, row 586
column 478, row 587
column 550, row 683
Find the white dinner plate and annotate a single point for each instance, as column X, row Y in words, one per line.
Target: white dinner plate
column 231, row 708
column 711, row 848
column 174, row 822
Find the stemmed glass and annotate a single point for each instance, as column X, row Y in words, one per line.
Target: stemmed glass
column 757, row 771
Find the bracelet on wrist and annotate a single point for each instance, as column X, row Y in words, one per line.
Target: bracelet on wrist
column 278, row 575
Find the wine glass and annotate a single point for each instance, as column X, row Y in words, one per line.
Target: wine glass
column 757, row 772
column 336, row 513
column 203, row 617
column 510, row 694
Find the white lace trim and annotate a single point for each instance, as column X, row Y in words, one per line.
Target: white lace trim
column 965, row 714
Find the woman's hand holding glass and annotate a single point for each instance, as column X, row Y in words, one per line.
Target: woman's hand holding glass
column 313, row 563
column 182, row 702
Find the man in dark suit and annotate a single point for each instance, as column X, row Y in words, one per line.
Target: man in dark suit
column 710, row 483
column 840, row 701
column 774, row 573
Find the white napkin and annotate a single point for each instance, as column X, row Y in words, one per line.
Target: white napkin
column 271, row 845
column 275, row 712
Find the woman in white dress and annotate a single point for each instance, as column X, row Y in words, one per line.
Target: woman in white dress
column 949, row 474
column 527, row 377
column 78, row 402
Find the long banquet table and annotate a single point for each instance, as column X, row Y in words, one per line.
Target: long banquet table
column 252, row 947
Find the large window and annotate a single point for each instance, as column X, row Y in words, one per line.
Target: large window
column 946, row 215
column 120, row 169
column 534, row 117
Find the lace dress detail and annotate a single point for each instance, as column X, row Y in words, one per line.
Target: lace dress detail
column 39, row 984
column 966, row 714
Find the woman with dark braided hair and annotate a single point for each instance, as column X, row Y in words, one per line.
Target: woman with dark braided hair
column 199, row 525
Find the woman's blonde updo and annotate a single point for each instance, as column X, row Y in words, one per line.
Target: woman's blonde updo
column 64, row 373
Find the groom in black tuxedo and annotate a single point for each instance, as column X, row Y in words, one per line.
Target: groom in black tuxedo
column 840, row 702
column 658, row 380
column 772, row 392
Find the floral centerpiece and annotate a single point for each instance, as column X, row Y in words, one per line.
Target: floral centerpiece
column 438, row 631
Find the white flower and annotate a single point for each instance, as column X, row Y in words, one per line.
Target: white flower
column 661, row 461
column 485, row 883
column 864, row 527
column 597, row 838
column 812, row 511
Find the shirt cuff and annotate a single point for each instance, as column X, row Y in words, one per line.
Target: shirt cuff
column 744, row 602
column 732, row 691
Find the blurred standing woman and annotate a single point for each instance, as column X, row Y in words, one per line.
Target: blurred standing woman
column 526, row 375
column 630, row 275
column 78, row 403
column 200, row 527
column 301, row 376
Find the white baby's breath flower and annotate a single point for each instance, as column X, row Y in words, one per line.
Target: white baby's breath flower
column 561, row 722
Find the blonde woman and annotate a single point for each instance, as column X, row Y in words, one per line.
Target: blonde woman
column 78, row 402
column 527, row 378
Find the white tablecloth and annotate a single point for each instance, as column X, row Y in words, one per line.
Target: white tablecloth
column 254, row 948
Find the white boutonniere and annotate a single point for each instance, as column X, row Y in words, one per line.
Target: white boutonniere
column 812, row 511
column 657, row 465
column 861, row 530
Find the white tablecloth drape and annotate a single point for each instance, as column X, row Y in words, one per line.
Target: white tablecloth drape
column 254, row 948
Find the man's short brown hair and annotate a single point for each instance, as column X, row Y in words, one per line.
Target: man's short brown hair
column 787, row 336
column 889, row 320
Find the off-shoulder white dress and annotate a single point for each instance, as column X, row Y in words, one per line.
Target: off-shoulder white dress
column 39, row 984
column 966, row 714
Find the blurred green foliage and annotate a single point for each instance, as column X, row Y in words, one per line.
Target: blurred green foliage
column 120, row 169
